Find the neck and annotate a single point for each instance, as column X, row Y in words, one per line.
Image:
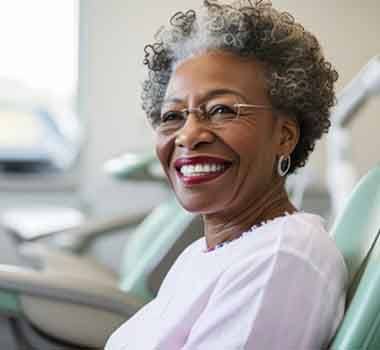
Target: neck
column 226, row 226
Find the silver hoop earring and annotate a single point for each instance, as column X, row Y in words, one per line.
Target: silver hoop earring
column 283, row 165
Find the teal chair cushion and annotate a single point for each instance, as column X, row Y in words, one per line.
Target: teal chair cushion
column 360, row 329
column 356, row 232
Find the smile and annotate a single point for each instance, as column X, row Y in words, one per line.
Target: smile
column 196, row 170
column 200, row 169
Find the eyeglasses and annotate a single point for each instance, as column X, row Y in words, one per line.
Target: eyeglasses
column 214, row 114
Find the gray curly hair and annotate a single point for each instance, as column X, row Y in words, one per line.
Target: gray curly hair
column 300, row 81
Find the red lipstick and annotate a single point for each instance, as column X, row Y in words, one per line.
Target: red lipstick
column 201, row 177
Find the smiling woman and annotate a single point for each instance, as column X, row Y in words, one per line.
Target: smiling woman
column 238, row 97
column 246, row 144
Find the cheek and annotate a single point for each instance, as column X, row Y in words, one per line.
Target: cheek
column 255, row 146
column 164, row 150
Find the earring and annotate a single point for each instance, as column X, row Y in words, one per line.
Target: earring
column 283, row 165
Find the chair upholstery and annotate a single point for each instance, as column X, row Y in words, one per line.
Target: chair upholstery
column 53, row 260
column 355, row 232
column 357, row 225
column 77, row 301
column 360, row 329
column 68, row 318
column 151, row 242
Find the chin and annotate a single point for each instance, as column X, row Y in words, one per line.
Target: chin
column 200, row 206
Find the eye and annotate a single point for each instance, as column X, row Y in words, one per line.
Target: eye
column 222, row 111
column 171, row 116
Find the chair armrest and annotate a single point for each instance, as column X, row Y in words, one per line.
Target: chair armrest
column 66, row 288
column 75, row 239
column 68, row 308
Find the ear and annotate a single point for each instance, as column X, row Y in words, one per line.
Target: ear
column 289, row 133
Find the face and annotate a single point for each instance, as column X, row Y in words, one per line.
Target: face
column 225, row 166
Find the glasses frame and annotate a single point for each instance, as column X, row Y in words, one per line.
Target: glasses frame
column 201, row 111
column 244, row 105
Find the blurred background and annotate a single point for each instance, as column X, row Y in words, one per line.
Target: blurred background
column 114, row 35
column 77, row 173
column 70, row 75
column 115, row 32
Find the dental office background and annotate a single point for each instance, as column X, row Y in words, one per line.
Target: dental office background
column 75, row 67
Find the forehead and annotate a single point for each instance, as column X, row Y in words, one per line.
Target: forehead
column 197, row 76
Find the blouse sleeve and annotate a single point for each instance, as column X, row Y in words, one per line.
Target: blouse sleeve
column 269, row 302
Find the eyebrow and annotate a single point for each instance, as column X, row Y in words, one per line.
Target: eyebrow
column 210, row 94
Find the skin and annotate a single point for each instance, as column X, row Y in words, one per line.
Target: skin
column 250, row 191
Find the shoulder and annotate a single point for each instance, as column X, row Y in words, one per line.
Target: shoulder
column 304, row 236
column 291, row 246
column 289, row 266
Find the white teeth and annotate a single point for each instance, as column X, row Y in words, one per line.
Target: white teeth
column 199, row 169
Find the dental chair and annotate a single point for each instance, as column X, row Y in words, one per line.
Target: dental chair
column 77, row 307
column 54, row 299
column 356, row 233
column 66, row 299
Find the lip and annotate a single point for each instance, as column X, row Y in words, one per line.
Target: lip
column 198, row 179
column 200, row 160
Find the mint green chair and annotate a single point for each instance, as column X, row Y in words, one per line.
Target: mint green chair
column 105, row 300
column 154, row 244
column 355, row 232
column 88, row 300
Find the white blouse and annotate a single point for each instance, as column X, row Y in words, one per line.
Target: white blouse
column 280, row 286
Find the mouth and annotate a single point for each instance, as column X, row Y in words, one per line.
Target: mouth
column 201, row 169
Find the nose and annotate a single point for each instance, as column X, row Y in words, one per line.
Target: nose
column 193, row 134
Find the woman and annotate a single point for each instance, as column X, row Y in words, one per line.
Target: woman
column 238, row 97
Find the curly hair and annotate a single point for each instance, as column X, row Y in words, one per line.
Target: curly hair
column 300, row 81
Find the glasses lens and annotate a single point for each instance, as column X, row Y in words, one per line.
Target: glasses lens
column 170, row 120
column 215, row 111
column 221, row 110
